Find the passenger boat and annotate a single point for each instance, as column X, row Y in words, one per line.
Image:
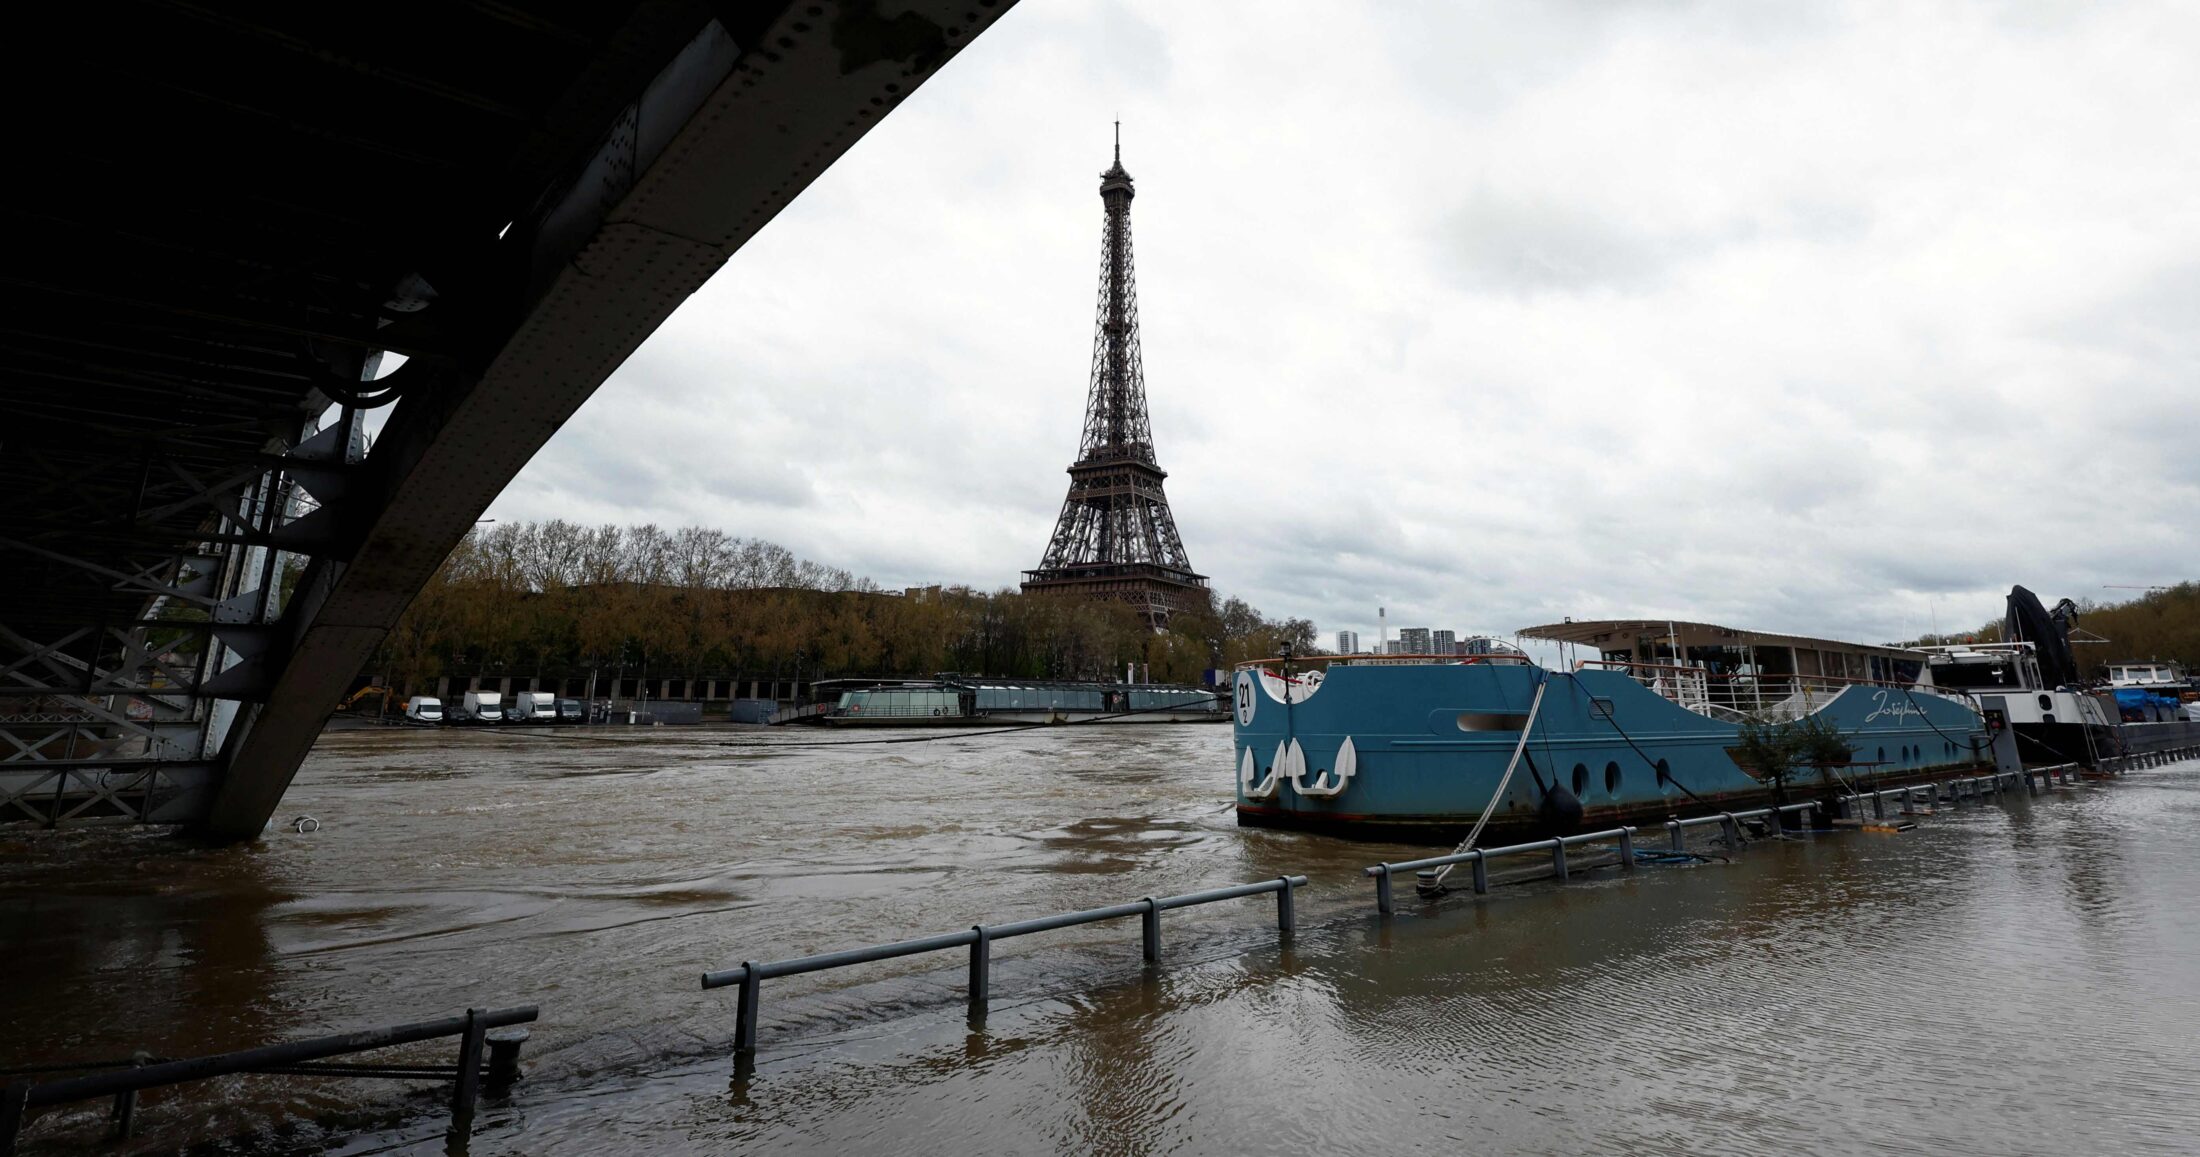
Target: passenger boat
column 977, row 701
column 1421, row 747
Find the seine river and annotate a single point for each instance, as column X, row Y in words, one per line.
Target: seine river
column 2021, row 977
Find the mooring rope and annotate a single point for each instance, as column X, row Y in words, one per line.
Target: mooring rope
column 1481, row 821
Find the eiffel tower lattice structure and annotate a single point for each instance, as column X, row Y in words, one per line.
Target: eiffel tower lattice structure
column 1116, row 538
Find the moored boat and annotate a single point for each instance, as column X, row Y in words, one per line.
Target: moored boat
column 1421, row 747
column 978, row 701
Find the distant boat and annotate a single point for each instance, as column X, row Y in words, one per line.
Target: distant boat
column 1419, row 747
column 977, row 701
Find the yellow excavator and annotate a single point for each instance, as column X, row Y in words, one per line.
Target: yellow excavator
column 353, row 699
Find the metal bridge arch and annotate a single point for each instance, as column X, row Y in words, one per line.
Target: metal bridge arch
column 245, row 212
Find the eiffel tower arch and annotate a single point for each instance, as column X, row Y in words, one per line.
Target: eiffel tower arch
column 1116, row 538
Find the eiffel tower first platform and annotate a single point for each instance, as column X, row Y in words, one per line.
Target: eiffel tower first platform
column 1116, row 538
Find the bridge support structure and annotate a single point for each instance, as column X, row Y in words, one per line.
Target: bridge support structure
column 209, row 561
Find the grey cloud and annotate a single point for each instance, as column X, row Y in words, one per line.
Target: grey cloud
column 1412, row 343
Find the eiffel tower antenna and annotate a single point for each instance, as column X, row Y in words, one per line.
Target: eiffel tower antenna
column 1116, row 538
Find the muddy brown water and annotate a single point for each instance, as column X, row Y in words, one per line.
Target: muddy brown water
column 2012, row 977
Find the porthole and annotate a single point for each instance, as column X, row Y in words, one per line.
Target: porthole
column 2046, row 703
column 2047, row 717
column 1611, row 778
column 1581, row 780
column 1882, row 755
column 1665, row 774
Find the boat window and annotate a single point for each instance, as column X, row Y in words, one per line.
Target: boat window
column 1491, row 721
column 1581, row 780
column 2046, row 703
column 1665, row 774
column 1882, row 755
column 1600, row 708
column 1611, row 778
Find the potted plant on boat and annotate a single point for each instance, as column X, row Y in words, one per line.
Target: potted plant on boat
column 1771, row 750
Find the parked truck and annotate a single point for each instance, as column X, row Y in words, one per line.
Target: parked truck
column 532, row 707
column 424, row 709
column 481, row 707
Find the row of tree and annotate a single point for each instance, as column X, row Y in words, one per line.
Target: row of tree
column 555, row 600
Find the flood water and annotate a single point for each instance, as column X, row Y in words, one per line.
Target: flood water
column 2014, row 977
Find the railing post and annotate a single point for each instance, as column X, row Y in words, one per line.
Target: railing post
column 1383, row 903
column 1627, row 849
column 1558, row 858
column 1152, row 922
column 1678, row 834
column 13, row 1101
column 125, row 1111
column 1879, row 805
column 504, row 1056
column 1481, row 872
column 1287, row 920
column 744, row 1010
column 468, row 1087
column 981, row 962
column 1732, row 829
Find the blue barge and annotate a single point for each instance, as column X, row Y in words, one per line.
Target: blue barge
column 1420, row 747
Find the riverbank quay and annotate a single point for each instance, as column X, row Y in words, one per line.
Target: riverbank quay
column 1395, row 1015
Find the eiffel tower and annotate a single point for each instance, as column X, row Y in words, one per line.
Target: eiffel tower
column 1116, row 538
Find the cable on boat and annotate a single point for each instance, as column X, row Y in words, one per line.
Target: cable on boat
column 1667, row 775
column 1519, row 749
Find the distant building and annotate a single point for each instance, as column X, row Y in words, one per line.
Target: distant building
column 1478, row 645
column 1348, row 642
column 1413, row 641
column 1443, row 643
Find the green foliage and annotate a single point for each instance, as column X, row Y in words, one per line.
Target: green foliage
column 556, row 599
column 2163, row 624
column 1772, row 749
column 1818, row 742
column 1765, row 748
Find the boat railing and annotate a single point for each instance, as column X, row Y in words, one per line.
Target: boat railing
column 1716, row 693
column 1420, row 660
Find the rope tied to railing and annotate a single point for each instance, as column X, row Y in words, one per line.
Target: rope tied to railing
column 1481, row 821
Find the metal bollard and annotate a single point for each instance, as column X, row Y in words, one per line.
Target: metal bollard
column 1481, row 873
column 1383, row 904
column 14, row 1101
column 744, row 1010
column 1558, row 859
column 1286, row 916
column 504, row 1056
column 1152, row 922
column 468, row 1087
column 981, row 968
column 1627, row 849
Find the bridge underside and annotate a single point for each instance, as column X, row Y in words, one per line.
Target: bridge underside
column 224, row 224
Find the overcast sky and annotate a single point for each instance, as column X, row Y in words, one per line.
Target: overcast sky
column 1832, row 319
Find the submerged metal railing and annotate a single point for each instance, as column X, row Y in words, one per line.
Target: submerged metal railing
column 979, row 939
column 1479, row 859
column 297, row 1058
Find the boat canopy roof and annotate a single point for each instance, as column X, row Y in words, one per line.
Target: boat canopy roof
column 1625, row 634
